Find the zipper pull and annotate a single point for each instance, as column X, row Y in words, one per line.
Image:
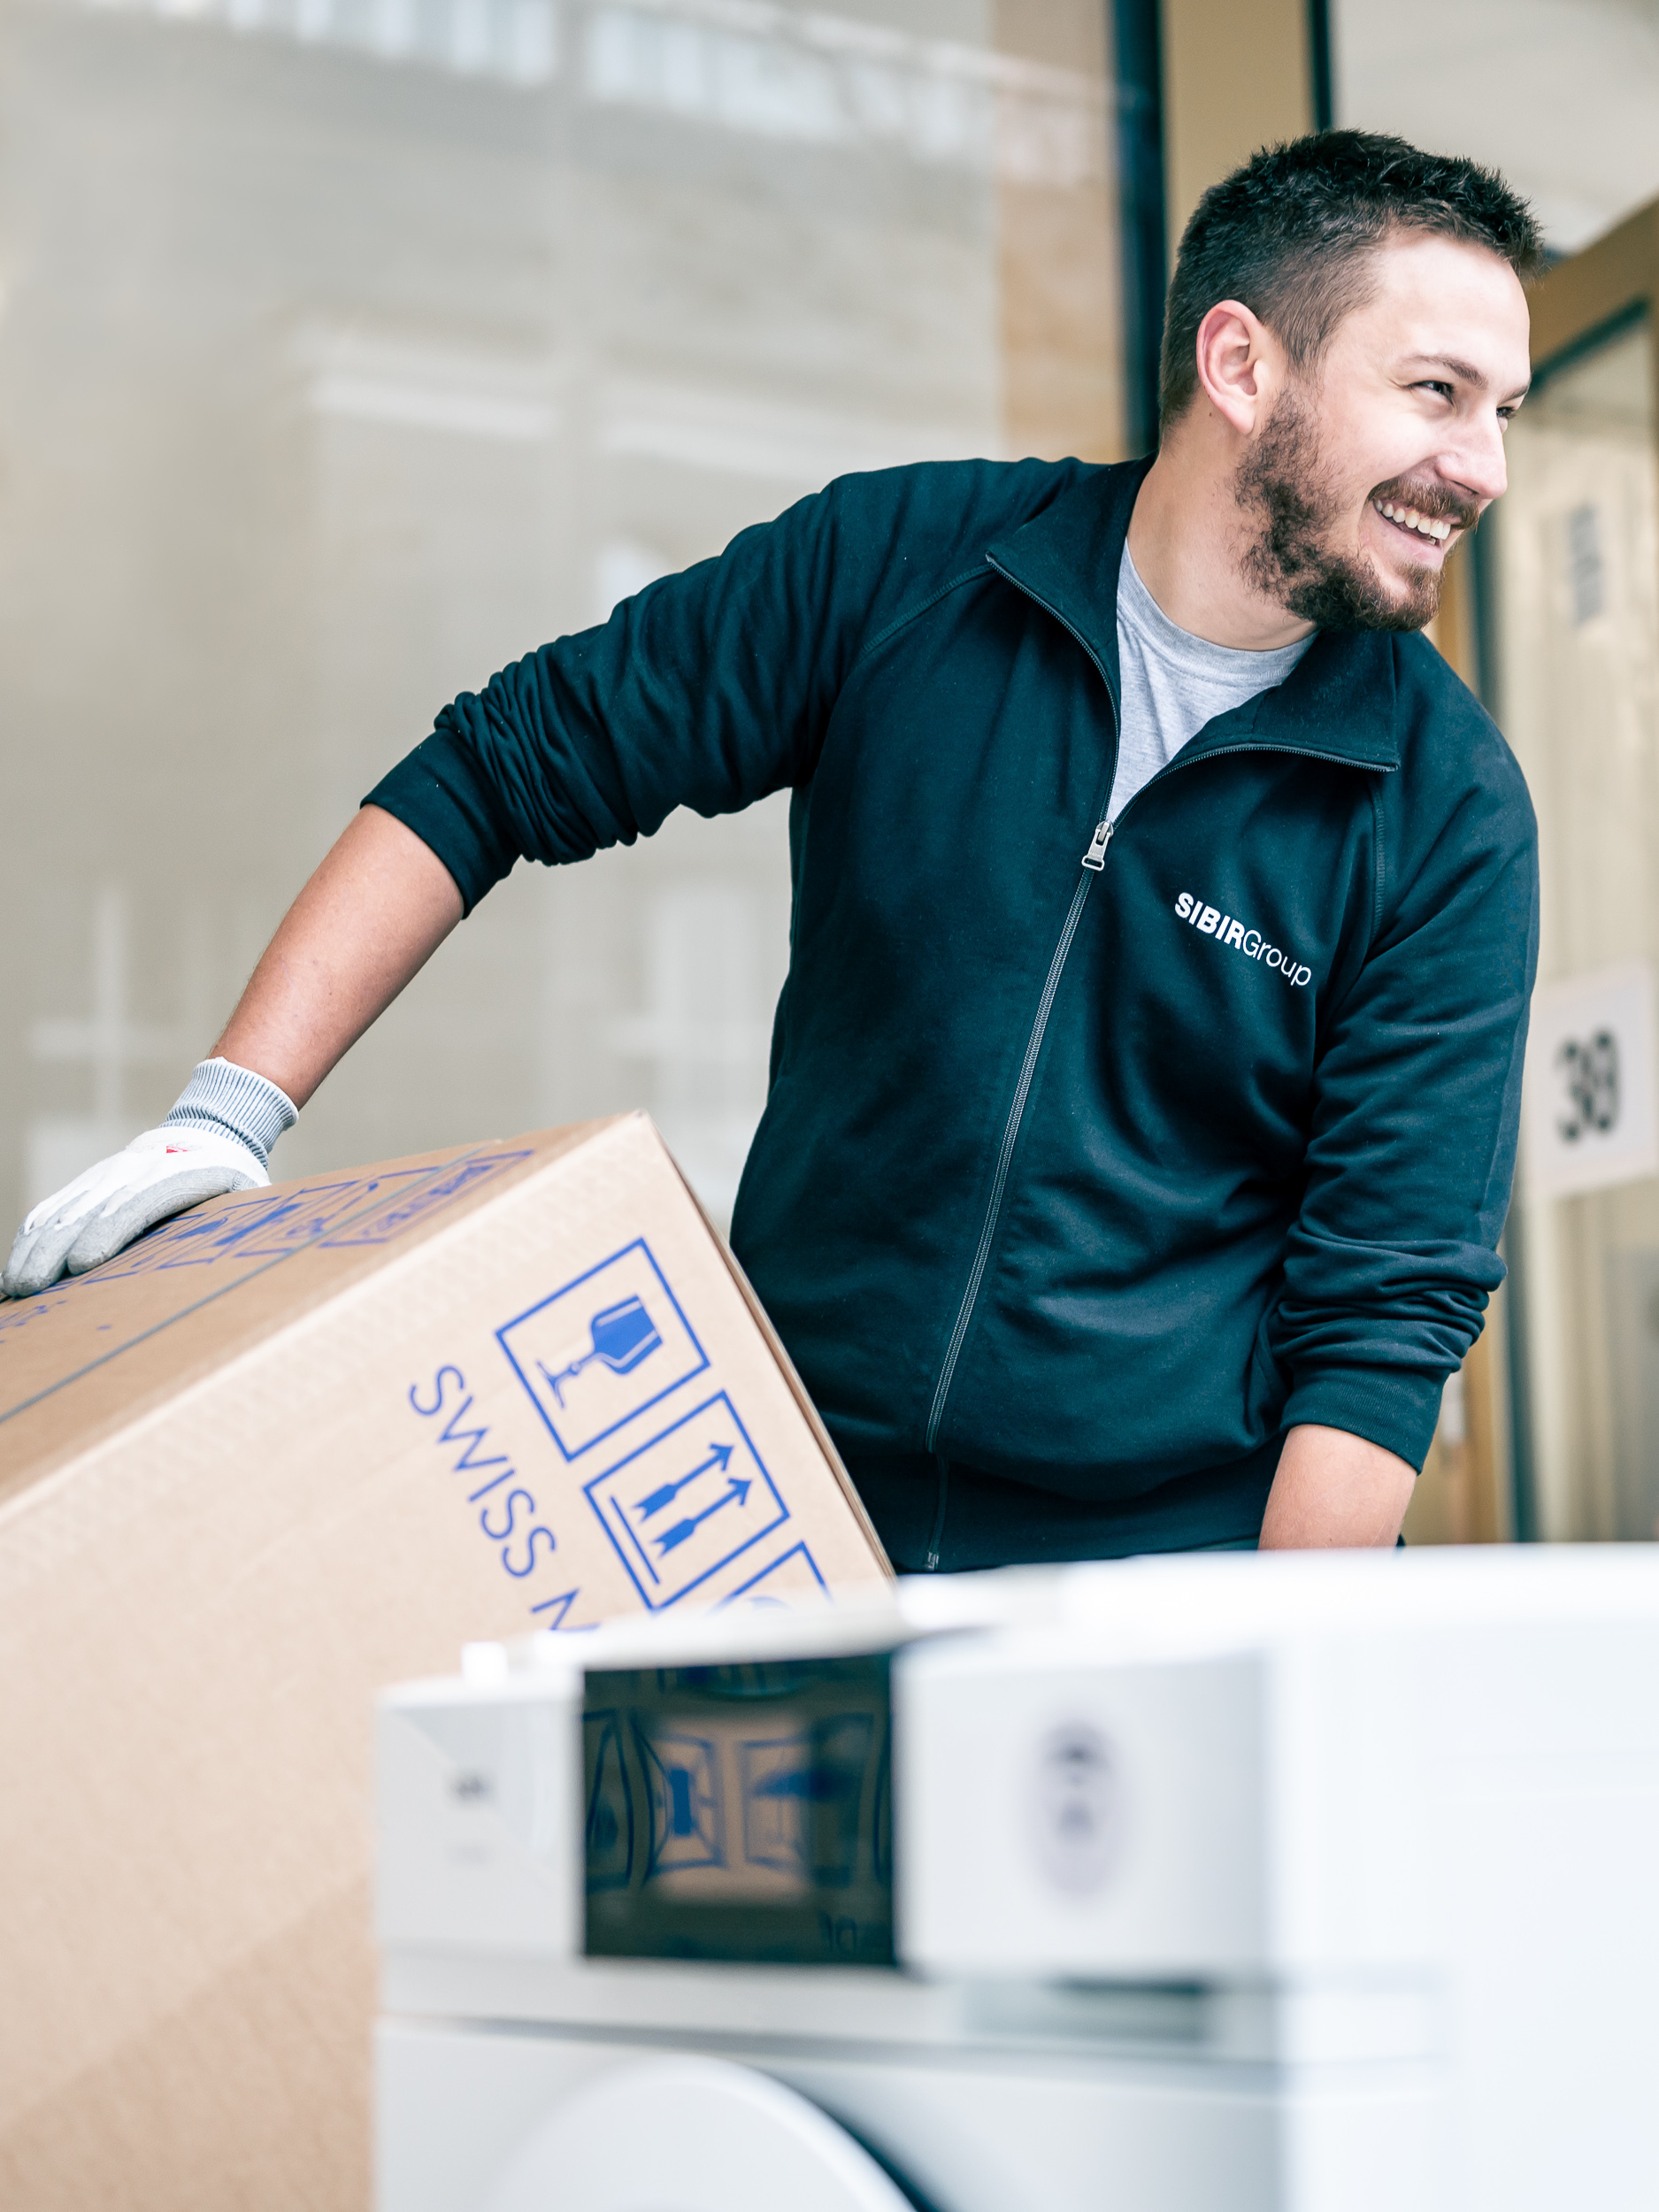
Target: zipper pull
column 1096, row 857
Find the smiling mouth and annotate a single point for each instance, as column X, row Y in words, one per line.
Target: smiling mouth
column 1434, row 528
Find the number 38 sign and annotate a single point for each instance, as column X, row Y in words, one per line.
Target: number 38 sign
column 1590, row 1119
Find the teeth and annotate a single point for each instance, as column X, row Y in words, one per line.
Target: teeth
column 1409, row 519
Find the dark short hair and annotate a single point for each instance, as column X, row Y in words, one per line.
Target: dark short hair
column 1290, row 235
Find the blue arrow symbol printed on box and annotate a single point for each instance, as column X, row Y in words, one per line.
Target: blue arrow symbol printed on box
column 737, row 1490
column 666, row 1493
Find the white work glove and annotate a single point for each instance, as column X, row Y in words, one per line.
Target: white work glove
column 218, row 1138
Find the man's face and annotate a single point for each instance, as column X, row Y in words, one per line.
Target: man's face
column 1366, row 474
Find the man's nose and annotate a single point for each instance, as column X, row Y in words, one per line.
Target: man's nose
column 1477, row 462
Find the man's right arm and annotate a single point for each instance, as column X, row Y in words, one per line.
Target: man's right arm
column 711, row 689
column 364, row 926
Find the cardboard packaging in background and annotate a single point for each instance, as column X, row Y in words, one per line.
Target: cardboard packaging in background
column 300, row 1443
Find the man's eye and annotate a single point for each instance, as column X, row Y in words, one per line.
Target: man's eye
column 1433, row 384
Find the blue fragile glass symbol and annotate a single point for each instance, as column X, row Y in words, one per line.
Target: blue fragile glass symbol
column 622, row 1336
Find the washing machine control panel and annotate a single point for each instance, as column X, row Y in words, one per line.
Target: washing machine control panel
column 739, row 1812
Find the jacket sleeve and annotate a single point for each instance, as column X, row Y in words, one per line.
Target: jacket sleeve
column 710, row 689
column 1389, row 1266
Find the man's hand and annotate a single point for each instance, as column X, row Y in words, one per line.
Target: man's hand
column 1335, row 1490
column 379, row 906
column 218, row 1138
column 160, row 1174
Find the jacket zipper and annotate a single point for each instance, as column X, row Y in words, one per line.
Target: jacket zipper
column 1092, row 862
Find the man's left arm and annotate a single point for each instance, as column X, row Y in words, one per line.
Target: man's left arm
column 1334, row 1489
column 1417, row 1103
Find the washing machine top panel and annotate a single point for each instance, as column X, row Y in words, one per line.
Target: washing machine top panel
column 741, row 1813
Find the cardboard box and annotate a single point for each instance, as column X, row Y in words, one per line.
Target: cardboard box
column 300, row 1443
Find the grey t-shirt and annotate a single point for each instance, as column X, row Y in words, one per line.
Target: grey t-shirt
column 1173, row 683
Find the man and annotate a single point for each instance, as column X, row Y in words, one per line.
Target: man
column 1144, row 1085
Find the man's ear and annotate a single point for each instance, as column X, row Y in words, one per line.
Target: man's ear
column 1241, row 365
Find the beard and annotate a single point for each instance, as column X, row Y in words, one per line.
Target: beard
column 1284, row 484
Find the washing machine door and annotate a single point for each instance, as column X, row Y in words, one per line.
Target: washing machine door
column 692, row 2135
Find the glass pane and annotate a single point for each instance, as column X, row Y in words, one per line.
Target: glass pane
column 350, row 348
column 1578, row 639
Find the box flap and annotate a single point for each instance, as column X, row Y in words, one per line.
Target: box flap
column 98, row 1350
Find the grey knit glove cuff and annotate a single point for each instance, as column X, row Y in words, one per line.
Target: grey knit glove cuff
column 234, row 1102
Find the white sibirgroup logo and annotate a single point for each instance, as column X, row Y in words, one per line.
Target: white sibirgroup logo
column 1227, row 929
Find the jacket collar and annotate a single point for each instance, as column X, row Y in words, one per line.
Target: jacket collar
column 1338, row 702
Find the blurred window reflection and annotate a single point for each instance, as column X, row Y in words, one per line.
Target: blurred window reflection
column 350, row 349
column 1578, row 636
column 514, row 40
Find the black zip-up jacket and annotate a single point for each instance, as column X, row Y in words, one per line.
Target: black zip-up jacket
column 1092, row 1162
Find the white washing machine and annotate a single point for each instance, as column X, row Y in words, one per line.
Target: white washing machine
column 1215, row 1884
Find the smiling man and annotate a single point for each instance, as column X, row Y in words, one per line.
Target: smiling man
column 1145, row 1087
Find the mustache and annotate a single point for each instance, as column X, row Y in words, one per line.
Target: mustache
column 1434, row 500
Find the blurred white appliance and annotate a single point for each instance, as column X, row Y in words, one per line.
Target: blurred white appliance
column 1215, row 1884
